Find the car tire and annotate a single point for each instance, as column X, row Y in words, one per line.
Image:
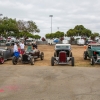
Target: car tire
column 1, row 60
column 52, row 61
column 72, row 61
column 42, row 56
column 85, row 55
column 14, row 60
column 92, row 61
column 32, row 61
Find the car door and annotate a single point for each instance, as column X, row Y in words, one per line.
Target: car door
column 89, row 51
column 7, row 53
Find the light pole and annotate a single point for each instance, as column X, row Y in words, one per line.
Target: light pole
column 1, row 15
column 58, row 28
column 51, row 21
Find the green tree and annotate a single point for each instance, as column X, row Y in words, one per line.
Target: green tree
column 93, row 35
column 79, row 30
column 37, row 36
column 8, row 27
column 57, row 34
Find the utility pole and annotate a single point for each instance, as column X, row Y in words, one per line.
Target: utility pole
column 51, row 21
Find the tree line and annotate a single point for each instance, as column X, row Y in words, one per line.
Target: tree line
column 78, row 30
column 20, row 28
column 25, row 29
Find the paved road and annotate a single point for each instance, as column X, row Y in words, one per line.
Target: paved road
column 49, row 83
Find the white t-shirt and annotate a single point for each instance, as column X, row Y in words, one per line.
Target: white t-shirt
column 22, row 45
column 15, row 49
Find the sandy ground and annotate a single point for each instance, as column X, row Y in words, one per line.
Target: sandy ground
column 49, row 52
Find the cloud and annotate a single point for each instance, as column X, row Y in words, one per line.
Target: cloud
column 66, row 13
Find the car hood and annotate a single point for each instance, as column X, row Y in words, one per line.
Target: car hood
column 2, row 50
column 98, row 50
column 8, row 42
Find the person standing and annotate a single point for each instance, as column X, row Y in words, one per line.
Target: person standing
column 22, row 47
column 34, row 45
column 15, row 49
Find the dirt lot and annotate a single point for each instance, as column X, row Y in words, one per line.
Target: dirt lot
column 49, row 52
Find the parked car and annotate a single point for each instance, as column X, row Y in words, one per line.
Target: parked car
column 90, row 41
column 35, row 52
column 93, row 53
column 10, row 41
column 25, row 58
column 62, row 55
column 28, row 56
column 5, row 54
column 29, row 41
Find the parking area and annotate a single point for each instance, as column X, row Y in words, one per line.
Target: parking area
column 45, row 82
column 49, row 52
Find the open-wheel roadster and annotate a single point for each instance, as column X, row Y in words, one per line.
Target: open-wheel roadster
column 25, row 58
column 62, row 55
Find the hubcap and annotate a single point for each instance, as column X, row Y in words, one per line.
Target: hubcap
column 91, row 60
column 2, row 60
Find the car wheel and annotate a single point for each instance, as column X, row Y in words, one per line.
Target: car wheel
column 32, row 61
column 85, row 55
column 72, row 61
column 1, row 60
column 92, row 61
column 52, row 61
column 42, row 56
column 14, row 60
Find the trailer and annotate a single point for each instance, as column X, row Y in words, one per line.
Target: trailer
column 80, row 41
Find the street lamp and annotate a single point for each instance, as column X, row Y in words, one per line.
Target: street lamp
column 58, row 28
column 51, row 21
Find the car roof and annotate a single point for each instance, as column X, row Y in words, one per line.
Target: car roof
column 93, row 44
column 62, row 44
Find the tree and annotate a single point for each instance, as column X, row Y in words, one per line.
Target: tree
column 93, row 35
column 28, row 26
column 57, row 34
column 37, row 36
column 43, row 39
column 79, row 30
column 8, row 27
column 62, row 38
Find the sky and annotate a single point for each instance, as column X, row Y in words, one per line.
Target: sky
column 66, row 13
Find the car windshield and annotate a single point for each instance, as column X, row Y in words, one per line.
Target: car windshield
column 96, row 46
column 28, row 40
column 62, row 47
